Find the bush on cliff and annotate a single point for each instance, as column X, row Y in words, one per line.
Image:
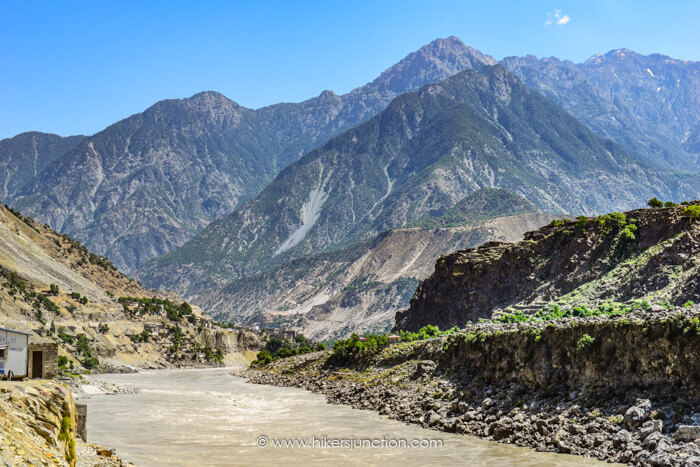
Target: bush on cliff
column 358, row 349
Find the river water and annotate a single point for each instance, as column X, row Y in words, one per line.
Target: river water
column 208, row 417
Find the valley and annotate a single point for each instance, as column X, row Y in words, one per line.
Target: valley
column 501, row 254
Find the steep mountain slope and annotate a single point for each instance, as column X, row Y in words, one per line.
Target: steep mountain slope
column 647, row 103
column 416, row 159
column 586, row 262
column 359, row 288
column 146, row 184
column 24, row 156
column 55, row 289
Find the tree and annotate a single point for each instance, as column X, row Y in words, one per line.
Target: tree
column 655, row 203
column 54, row 289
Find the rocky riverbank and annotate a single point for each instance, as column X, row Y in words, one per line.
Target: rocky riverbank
column 630, row 395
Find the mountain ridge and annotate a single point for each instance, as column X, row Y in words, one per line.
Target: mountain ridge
column 207, row 149
column 417, row 158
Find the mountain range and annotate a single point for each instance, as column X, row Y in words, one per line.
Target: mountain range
column 146, row 184
column 415, row 160
column 198, row 159
column 202, row 195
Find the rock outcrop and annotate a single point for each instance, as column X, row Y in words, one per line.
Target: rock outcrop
column 39, row 423
column 651, row 254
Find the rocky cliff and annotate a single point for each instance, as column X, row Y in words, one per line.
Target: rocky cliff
column 649, row 254
column 39, row 423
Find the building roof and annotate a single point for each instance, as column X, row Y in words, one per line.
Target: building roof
column 16, row 332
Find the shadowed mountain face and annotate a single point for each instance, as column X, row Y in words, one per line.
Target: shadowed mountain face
column 145, row 185
column 647, row 103
column 416, row 160
column 26, row 155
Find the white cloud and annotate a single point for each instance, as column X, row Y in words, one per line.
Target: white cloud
column 557, row 18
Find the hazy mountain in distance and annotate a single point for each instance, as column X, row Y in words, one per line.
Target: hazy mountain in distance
column 647, row 103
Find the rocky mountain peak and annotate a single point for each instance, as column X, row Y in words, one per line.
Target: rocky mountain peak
column 433, row 62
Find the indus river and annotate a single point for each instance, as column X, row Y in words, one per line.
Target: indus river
column 208, row 417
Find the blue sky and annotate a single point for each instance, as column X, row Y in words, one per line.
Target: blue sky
column 76, row 67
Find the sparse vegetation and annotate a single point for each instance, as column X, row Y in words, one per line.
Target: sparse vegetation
column 585, row 343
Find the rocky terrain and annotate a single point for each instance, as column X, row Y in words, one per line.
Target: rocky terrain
column 26, row 155
column 620, row 388
column 55, row 289
column 39, row 421
column 360, row 288
column 415, row 160
column 146, row 184
column 647, row 103
column 648, row 254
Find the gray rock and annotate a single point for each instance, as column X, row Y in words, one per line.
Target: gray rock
column 431, row 418
column 462, row 407
column 660, row 458
column 621, row 439
column 649, row 427
column 687, row 433
column 652, row 440
column 638, row 413
column 425, row 367
column 488, row 403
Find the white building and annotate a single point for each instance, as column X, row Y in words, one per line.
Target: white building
column 13, row 352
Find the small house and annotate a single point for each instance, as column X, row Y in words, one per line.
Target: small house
column 13, row 353
column 21, row 359
column 394, row 339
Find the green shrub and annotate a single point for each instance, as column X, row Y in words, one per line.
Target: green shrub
column 585, row 342
column 53, row 289
column 357, row 349
column 692, row 211
column 688, row 304
column 262, row 358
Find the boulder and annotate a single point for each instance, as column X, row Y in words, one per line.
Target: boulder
column 638, row 413
column 425, row 367
column 649, row 427
column 687, row 433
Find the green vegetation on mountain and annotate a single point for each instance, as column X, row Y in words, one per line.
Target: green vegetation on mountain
column 486, row 203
